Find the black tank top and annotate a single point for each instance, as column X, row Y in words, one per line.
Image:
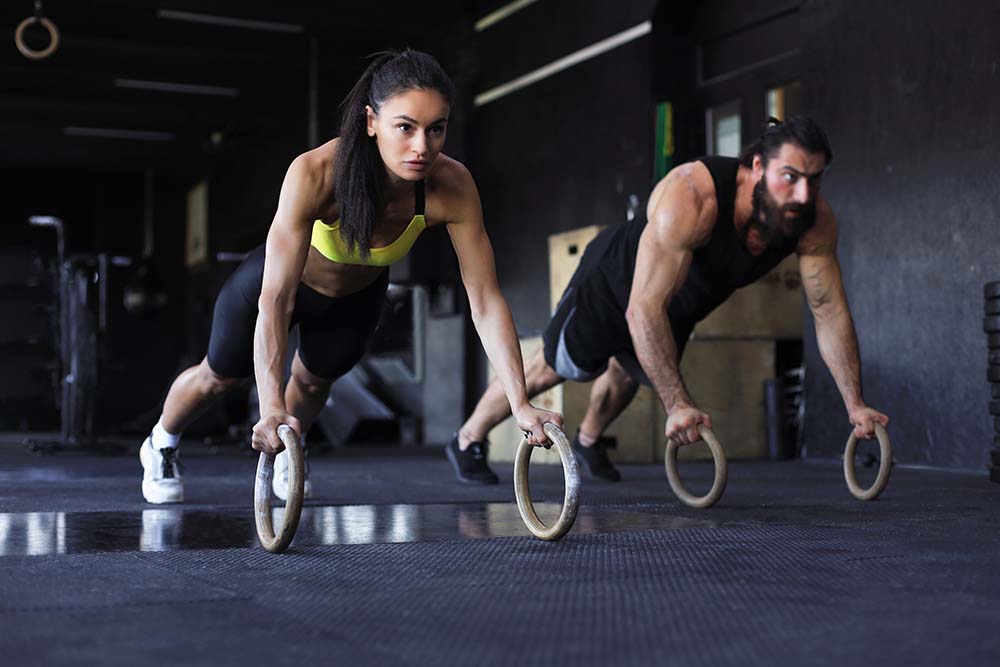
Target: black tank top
column 718, row 268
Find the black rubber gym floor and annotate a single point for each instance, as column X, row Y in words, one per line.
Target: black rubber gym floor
column 396, row 564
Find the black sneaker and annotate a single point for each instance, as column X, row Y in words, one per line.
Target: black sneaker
column 595, row 459
column 470, row 465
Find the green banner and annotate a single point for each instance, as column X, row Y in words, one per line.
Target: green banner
column 663, row 157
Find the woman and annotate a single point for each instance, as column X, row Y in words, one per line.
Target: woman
column 346, row 211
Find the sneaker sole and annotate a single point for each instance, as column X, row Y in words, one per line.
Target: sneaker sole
column 461, row 478
column 158, row 496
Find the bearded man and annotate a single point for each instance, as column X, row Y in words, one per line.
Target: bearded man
column 714, row 225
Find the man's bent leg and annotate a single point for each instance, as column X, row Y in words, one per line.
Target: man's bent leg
column 468, row 450
column 493, row 407
column 547, row 368
column 611, row 393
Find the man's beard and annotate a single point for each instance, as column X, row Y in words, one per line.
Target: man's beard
column 771, row 221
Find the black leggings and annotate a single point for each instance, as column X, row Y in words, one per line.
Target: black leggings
column 333, row 332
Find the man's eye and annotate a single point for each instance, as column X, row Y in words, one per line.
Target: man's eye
column 789, row 178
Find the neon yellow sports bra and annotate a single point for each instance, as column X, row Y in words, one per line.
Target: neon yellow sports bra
column 328, row 241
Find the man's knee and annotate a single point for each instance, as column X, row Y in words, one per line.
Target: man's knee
column 538, row 371
column 619, row 377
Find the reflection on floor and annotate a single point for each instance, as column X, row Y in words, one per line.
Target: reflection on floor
column 171, row 528
column 393, row 564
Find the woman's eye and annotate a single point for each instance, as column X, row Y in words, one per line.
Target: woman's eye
column 404, row 127
column 435, row 131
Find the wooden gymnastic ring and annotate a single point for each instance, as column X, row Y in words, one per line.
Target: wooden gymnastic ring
column 571, row 473
column 27, row 51
column 262, row 494
column 884, row 468
column 721, row 471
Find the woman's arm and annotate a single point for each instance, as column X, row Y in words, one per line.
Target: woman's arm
column 284, row 262
column 490, row 312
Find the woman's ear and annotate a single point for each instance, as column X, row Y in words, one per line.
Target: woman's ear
column 370, row 120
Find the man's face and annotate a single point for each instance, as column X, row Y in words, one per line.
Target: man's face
column 784, row 198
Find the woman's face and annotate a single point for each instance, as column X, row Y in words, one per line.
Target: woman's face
column 410, row 131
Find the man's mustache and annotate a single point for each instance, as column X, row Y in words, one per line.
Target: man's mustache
column 798, row 209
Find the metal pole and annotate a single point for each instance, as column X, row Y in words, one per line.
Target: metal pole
column 313, row 92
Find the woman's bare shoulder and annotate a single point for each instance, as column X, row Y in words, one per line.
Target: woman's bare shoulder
column 311, row 173
column 450, row 179
column 319, row 160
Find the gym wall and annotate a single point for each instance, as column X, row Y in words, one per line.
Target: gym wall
column 564, row 152
column 907, row 98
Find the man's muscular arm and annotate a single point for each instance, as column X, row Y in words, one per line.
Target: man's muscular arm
column 677, row 224
column 838, row 342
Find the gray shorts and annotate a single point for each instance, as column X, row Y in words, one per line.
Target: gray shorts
column 567, row 350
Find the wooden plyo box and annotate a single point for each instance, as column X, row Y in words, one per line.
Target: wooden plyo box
column 565, row 251
column 769, row 308
column 726, row 380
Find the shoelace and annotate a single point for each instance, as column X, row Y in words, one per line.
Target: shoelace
column 170, row 462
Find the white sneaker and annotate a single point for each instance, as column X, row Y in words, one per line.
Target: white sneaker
column 280, row 481
column 161, row 476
